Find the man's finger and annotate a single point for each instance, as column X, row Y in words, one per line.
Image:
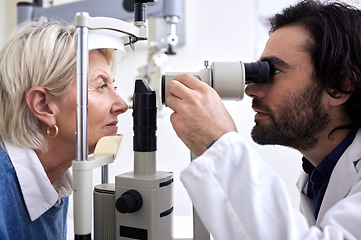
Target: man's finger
column 178, row 89
column 172, row 102
column 189, row 80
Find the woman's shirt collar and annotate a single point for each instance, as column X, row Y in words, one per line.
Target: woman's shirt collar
column 38, row 192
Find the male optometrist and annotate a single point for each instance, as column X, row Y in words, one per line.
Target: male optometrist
column 312, row 103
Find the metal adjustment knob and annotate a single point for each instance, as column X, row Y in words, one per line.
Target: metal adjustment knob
column 206, row 63
column 129, row 202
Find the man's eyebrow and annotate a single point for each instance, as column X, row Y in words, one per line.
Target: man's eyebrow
column 276, row 61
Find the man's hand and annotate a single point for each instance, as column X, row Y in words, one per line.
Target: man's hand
column 199, row 114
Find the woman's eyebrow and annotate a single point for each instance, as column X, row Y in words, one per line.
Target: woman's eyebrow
column 105, row 77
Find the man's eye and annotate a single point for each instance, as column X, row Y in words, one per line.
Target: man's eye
column 275, row 71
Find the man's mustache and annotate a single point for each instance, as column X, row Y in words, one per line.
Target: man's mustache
column 257, row 104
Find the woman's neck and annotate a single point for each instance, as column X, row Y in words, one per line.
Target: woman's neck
column 56, row 160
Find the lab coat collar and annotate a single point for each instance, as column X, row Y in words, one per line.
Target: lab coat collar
column 38, row 192
column 342, row 179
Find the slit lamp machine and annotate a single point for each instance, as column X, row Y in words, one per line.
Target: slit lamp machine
column 139, row 204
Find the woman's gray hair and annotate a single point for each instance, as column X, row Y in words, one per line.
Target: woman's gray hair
column 36, row 54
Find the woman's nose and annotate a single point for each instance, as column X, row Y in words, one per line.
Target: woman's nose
column 119, row 105
column 255, row 90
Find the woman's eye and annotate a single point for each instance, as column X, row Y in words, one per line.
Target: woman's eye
column 103, row 86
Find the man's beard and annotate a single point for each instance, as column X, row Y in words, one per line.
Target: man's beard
column 297, row 124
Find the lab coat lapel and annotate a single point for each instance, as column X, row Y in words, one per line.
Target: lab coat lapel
column 305, row 202
column 343, row 177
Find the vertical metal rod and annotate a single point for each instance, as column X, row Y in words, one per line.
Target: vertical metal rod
column 82, row 93
column 199, row 230
column 105, row 178
column 82, row 179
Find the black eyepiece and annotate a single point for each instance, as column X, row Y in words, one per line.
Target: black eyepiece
column 139, row 12
column 257, row 72
column 144, row 118
column 139, row 9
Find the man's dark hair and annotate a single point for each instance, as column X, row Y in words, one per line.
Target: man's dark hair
column 335, row 47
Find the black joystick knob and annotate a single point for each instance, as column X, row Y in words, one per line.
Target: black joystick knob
column 129, row 202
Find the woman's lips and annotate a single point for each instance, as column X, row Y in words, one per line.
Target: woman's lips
column 112, row 124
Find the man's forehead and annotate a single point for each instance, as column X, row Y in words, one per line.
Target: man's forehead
column 287, row 43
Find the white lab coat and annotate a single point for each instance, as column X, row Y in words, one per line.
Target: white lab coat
column 238, row 196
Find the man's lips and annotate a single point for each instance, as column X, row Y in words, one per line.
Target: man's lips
column 261, row 109
column 260, row 113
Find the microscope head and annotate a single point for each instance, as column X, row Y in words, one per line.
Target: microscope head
column 227, row 78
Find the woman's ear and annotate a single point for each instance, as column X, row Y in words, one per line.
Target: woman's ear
column 38, row 100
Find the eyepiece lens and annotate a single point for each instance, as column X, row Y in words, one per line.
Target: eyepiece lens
column 257, row 72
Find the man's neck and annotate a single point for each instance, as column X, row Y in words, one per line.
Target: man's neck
column 326, row 143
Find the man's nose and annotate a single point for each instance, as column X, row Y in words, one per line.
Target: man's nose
column 255, row 90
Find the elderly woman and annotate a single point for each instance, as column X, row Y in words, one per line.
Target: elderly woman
column 38, row 125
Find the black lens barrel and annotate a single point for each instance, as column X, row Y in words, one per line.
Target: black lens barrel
column 144, row 118
column 257, row 72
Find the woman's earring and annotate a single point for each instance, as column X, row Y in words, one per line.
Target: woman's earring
column 56, row 131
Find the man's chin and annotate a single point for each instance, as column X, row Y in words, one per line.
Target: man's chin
column 263, row 135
